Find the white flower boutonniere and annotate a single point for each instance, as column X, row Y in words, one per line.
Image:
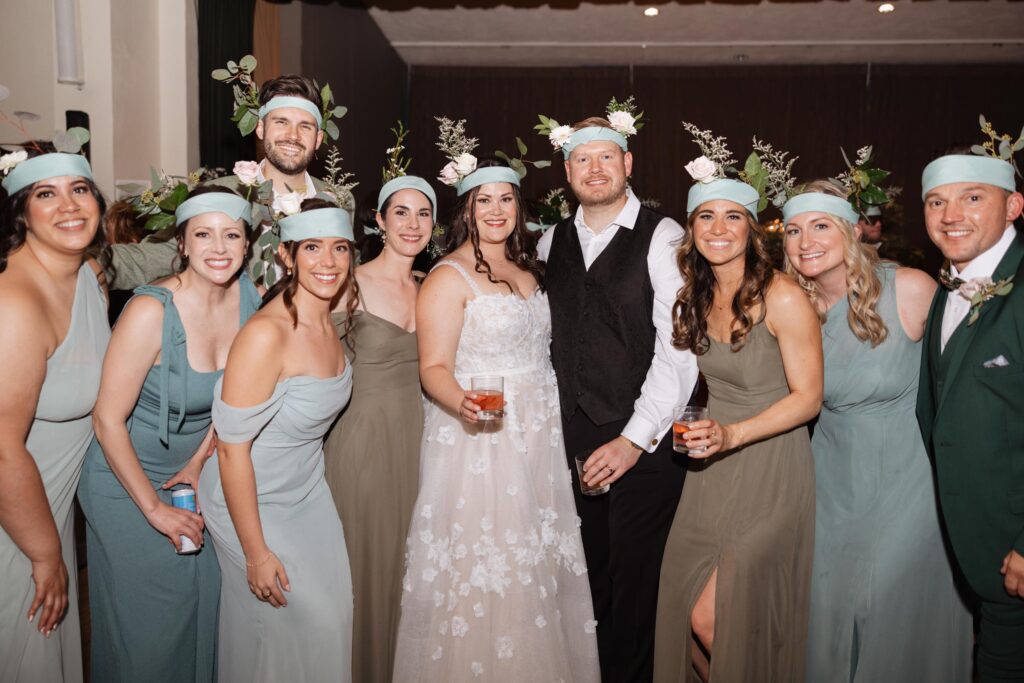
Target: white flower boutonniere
column 289, row 203
column 977, row 290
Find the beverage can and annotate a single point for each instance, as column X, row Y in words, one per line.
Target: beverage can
column 186, row 500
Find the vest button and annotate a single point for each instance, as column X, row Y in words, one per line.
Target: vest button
column 579, row 393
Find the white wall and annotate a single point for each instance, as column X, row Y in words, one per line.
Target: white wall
column 140, row 86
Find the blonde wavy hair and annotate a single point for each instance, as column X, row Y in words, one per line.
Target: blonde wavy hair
column 863, row 286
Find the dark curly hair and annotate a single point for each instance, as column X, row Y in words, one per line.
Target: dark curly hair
column 696, row 297
column 520, row 246
column 288, row 285
column 14, row 214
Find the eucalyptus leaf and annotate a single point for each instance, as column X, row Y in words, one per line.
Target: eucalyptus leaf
column 160, row 222
column 501, row 155
column 762, row 203
column 978, row 149
column 232, row 66
column 271, row 277
column 155, row 181
column 257, row 271
column 247, row 63
column 1005, row 289
column 1004, row 149
column 247, row 123
column 132, row 188
column 752, row 167
column 326, row 95
column 521, row 145
column 331, row 128
column 981, row 120
column 220, row 74
column 1018, row 146
column 79, row 133
column 339, row 111
column 265, row 239
column 846, row 158
column 66, row 143
column 543, row 163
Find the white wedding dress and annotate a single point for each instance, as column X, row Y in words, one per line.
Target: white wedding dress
column 496, row 584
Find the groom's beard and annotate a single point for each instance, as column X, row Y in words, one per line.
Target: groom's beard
column 290, row 164
column 600, row 195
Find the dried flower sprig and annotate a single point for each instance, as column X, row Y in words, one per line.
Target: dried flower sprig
column 999, row 145
column 338, row 184
column 779, row 183
column 397, row 166
column 715, row 149
column 451, row 137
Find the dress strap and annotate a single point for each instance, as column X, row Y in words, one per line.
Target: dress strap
column 172, row 352
column 458, row 266
column 250, row 297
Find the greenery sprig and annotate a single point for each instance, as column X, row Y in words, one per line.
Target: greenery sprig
column 519, row 163
column 861, row 179
column 397, row 166
column 158, row 202
column 338, row 184
column 999, row 145
column 247, row 97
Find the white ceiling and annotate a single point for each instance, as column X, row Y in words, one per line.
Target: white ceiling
column 819, row 32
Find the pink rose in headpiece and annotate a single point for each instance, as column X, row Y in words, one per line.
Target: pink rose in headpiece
column 247, row 172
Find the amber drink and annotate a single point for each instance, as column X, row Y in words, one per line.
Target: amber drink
column 686, row 416
column 490, row 396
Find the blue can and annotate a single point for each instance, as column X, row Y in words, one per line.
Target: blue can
column 186, row 500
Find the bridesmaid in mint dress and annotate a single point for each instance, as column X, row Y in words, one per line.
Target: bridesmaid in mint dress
column 154, row 612
column 883, row 602
column 52, row 340
column 286, row 589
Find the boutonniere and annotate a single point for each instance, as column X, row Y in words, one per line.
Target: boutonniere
column 977, row 290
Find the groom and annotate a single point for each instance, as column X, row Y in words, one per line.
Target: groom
column 611, row 280
column 971, row 397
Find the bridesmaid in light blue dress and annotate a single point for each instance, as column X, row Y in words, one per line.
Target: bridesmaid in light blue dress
column 883, row 602
column 52, row 340
column 286, row 591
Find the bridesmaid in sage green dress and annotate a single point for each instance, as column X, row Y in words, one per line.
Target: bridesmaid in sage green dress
column 372, row 454
column 883, row 602
column 154, row 612
column 52, row 340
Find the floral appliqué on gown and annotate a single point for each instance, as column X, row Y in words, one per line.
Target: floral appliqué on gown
column 496, row 581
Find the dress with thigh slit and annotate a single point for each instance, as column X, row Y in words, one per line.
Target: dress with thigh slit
column 750, row 513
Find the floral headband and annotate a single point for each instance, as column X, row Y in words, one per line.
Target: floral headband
column 992, row 163
column 622, row 116
column 461, row 170
column 766, row 176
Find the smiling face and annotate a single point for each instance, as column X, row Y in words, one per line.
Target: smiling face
column 215, row 246
column 815, row 244
column 721, row 231
column 62, row 213
column 290, row 137
column 321, row 265
column 494, row 212
column 964, row 220
column 407, row 222
column 598, row 172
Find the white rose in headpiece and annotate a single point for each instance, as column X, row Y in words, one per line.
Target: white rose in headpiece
column 465, row 164
column 9, row 161
column 702, row 169
column 247, row 172
column 449, row 176
column 622, row 122
column 288, row 204
column 559, row 136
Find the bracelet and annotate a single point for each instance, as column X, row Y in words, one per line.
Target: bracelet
column 263, row 561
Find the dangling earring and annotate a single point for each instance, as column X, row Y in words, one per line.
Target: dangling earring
column 384, row 239
column 289, row 271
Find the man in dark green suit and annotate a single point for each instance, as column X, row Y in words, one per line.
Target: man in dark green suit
column 971, row 397
column 290, row 135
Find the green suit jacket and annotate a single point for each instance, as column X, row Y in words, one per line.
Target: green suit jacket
column 970, row 406
column 128, row 266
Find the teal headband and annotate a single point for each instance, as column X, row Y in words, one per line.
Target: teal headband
column 819, row 201
column 53, row 165
column 592, row 133
column 316, row 223
column 232, row 205
column 967, row 168
column 408, row 182
column 487, row 174
column 724, row 188
column 282, row 101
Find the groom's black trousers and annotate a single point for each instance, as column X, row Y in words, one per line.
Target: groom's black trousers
column 624, row 534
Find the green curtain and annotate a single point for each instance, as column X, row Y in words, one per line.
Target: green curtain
column 225, row 32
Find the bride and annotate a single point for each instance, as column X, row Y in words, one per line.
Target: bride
column 496, row 583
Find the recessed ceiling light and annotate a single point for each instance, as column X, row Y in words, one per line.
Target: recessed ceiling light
column 651, row 12
column 886, row 8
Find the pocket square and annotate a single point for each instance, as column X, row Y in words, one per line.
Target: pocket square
column 997, row 362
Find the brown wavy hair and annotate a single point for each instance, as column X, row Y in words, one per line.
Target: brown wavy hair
column 289, row 284
column 696, row 297
column 520, row 246
column 863, row 286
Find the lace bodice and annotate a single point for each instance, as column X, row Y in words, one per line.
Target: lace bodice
column 502, row 333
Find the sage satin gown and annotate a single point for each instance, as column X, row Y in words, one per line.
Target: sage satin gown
column 57, row 440
column 311, row 638
column 883, row 603
column 154, row 613
column 750, row 514
column 372, row 465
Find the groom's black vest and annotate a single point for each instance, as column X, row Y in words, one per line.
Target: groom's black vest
column 602, row 335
